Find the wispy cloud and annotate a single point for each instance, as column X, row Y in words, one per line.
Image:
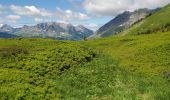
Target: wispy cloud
column 114, row 7
column 38, row 13
column 30, row 11
column 9, row 19
column 38, row 20
column 69, row 15
column 12, row 18
column 75, row 3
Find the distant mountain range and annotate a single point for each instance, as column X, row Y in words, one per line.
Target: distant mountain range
column 54, row 30
column 122, row 21
column 63, row 31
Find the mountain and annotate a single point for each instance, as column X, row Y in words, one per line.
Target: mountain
column 123, row 21
column 157, row 22
column 6, row 28
column 50, row 30
column 5, row 31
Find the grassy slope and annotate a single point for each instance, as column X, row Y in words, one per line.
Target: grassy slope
column 142, row 55
column 147, row 54
column 25, row 74
column 152, row 23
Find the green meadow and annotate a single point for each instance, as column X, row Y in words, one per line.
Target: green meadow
column 129, row 67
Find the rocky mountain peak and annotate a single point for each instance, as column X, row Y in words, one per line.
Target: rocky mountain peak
column 6, row 28
column 123, row 21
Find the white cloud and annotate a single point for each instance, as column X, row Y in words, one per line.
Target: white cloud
column 12, row 18
column 62, row 21
column 69, row 15
column 9, row 19
column 75, row 3
column 30, row 11
column 82, row 16
column 38, row 20
column 92, row 26
column 39, row 13
column 114, row 7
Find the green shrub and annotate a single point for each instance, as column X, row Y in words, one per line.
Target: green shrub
column 12, row 52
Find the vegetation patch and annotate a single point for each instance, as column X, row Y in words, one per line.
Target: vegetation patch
column 29, row 72
column 8, row 52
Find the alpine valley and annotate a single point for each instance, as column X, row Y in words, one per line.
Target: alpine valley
column 128, row 58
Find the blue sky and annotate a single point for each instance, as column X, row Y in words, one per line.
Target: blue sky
column 90, row 13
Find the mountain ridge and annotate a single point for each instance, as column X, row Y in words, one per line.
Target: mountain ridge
column 50, row 29
column 158, row 22
column 123, row 21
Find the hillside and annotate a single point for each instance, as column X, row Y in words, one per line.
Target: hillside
column 143, row 54
column 146, row 45
column 159, row 21
column 123, row 21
